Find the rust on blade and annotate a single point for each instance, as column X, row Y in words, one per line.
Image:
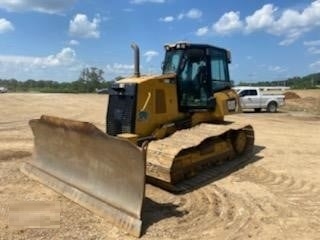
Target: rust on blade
column 103, row 173
column 78, row 126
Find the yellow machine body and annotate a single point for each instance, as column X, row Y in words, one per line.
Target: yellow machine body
column 162, row 128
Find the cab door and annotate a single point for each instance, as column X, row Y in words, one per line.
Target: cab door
column 194, row 87
column 249, row 98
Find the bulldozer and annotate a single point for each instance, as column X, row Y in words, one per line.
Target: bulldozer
column 162, row 129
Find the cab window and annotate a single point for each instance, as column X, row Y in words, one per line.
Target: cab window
column 219, row 70
column 248, row 92
column 193, row 85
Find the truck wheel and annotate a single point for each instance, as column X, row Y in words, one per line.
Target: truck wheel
column 257, row 110
column 272, row 107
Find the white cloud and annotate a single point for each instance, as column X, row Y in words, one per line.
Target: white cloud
column 150, row 55
column 60, row 66
column 315, row 64
column 65, row 57
column 81, row 26
column 73, row 42
column 290, row 24
column 260, row 19
column 5, row 25
column 292, row 19
column 193, row 13
column 202, row 31
column 55, row 6
column 292, row 35
column 180, row 16
column 146, row 1
column 314, row 50
column 128, row 10
column 119, row 69
column 313, row 46
column 166, row 19
column 228, row 23
column 277, row 69
column 312, row 43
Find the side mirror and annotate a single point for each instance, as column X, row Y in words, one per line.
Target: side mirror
column 241, row 94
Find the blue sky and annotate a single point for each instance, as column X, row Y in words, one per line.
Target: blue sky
column 55, row 39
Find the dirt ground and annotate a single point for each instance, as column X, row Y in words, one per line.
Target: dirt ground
column 276, row 195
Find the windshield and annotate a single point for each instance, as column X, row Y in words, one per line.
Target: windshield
column 172, row 61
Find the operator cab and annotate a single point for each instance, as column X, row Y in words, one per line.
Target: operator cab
column 201, row 70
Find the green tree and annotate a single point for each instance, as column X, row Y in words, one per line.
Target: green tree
column 90, row 79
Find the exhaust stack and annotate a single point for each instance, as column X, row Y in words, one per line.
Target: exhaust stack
column 136, row 50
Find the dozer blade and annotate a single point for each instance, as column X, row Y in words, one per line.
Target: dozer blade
column 102, row 173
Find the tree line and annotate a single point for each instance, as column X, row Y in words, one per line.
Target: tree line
column 310, row 81
column 89, row 81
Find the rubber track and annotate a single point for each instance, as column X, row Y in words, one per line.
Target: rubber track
column 162, row 153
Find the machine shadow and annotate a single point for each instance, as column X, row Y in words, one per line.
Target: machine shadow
column 153, row 212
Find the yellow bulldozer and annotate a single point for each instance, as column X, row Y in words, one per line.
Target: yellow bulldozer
column 163, row 129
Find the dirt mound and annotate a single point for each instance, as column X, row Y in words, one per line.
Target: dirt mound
column 291, row 95
column 305, row 104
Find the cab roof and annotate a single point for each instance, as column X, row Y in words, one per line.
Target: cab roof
column 185, row 45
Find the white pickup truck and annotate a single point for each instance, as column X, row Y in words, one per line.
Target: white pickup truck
column 3, row 90
column 254, row 98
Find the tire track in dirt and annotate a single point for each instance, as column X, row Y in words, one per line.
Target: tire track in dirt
column 13, row 129
column 215, row 212
column 300, row 197
column 6, row 155
column 206, row 213
column 15, row 140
